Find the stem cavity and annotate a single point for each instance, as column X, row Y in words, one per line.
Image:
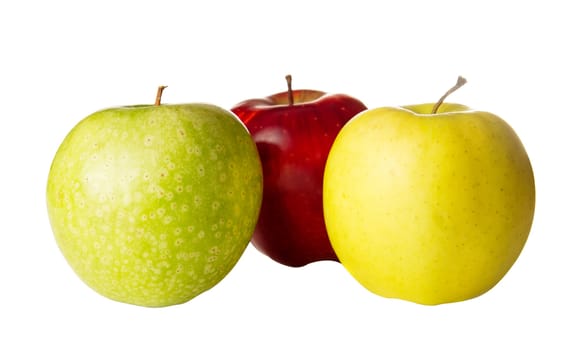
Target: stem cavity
column 459, row 83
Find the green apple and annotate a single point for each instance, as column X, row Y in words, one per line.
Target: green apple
column 154, row 204
column 428, row 203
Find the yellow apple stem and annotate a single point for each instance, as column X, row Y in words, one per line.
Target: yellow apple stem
column 459, row 83
column 159, row 94
column 290, row 92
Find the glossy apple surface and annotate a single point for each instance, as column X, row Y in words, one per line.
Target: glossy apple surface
column 293, row 140
column 153, row 205
column 430, row 208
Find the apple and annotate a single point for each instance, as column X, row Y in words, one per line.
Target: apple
column 152, row 205
column 294, row 131
column 428, row 203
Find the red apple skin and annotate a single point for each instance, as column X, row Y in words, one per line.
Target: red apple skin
column 293, row 142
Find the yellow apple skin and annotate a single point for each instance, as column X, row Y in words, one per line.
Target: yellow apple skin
column 429, row 208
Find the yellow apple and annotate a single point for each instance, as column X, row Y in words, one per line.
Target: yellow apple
column 428, row 207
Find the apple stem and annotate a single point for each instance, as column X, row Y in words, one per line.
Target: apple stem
column 459, row 83
column 159, row 94
column 290, row 92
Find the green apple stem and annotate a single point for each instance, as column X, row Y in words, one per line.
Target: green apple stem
column 159, row 94
column 459, row 83
column 290, row 92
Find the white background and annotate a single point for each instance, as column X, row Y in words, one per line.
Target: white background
column 62, row 60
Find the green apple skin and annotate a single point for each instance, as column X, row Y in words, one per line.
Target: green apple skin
column 428, row 208
column 153, row 205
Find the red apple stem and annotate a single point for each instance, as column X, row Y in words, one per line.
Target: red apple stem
column 459, row 83
column 290, row 92
column 159, row 94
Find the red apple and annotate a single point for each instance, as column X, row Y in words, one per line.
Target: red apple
column 294, row 131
